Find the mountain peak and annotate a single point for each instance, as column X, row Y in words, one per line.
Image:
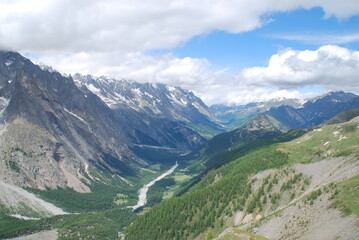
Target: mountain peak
column 335, row 96
column 154, row 99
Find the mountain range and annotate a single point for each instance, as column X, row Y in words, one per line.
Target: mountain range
column 158, row 100
column 86, row 144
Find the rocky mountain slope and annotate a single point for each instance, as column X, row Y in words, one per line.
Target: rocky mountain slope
column 157, row 100
column 87, row 144
column 52, row 132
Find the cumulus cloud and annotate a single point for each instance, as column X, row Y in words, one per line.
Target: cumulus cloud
column 114, row 25
column 330, row 66
column 136, row 66
column 194, row 74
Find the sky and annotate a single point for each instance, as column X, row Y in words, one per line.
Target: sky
column 226, row 52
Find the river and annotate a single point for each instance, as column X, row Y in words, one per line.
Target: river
column 142, row 193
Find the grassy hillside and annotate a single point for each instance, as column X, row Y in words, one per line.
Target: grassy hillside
column 98, row 225
column 247, row 186
column 209, row 204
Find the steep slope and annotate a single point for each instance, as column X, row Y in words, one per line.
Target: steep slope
column 260, row 127
column 158, row 100
column 281, row 191
column 52, row 132
column 343, row 117
column 20, row 203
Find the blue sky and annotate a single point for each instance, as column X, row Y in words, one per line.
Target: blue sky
column 237, row 51
column 228, row 51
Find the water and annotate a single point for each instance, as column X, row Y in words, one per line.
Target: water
column 142, row 193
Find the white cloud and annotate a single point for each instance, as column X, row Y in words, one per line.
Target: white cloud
column 136, row 66
column 322, row 39
column 330, row 66
column 110, row 37
column 197, row 75
column 114, row 25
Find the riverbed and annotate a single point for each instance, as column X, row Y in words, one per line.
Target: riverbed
column 142, row 193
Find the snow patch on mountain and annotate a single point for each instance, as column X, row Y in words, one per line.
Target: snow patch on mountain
column 93, row 89
column 154, row 99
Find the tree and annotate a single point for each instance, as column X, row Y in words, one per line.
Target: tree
column 209, row 234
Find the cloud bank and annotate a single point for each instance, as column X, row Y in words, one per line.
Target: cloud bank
column 330, row 66
column 113, row 25
column 111, row 37
column 286, row 74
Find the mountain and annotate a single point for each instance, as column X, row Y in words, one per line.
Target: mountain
column 86, row 145
column 343, row 117
column 157, row 100
column 260, row 128
column 305, row 188
column 53, row 132
column 276, row 121
column 315, row 111
column 235, row 115
column 291, row 113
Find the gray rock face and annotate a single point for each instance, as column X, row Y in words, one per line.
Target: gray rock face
column 154, row 99
column 157, row 100
column 51, row 130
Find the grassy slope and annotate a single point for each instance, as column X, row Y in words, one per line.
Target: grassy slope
column 348, row 196
column 211, row 202
column 332, row 140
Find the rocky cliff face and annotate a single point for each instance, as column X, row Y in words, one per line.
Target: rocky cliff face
column 157, row 100
column 51, row 130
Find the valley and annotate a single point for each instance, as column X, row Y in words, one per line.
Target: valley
column 87, row 157
column 142, row 193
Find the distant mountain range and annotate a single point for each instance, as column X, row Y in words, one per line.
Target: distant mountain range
column 290, row 113
column 314, row 111
column 233, row 116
